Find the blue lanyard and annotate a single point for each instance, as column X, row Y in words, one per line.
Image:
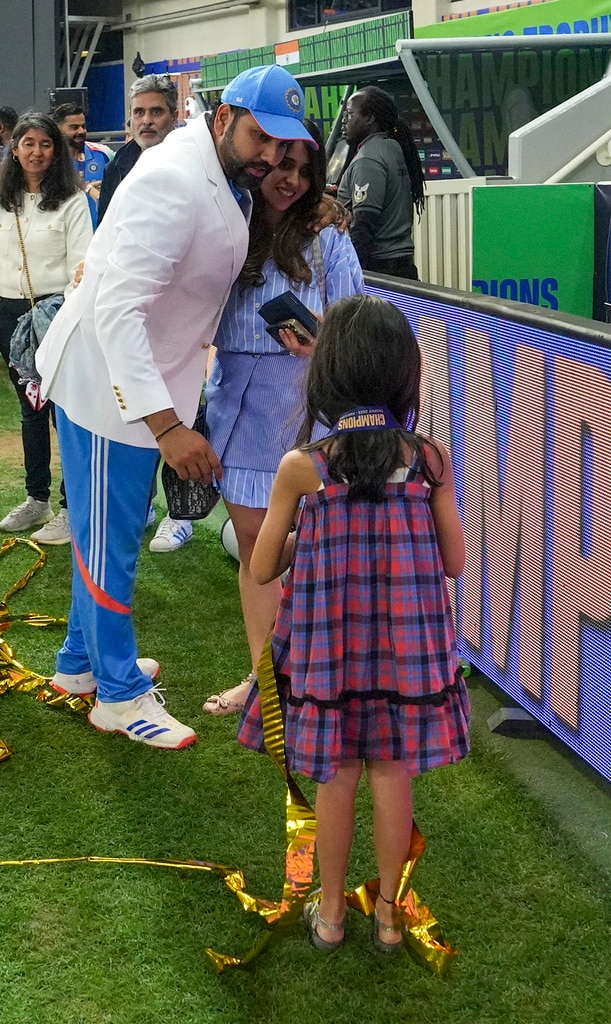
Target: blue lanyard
column 367, row 417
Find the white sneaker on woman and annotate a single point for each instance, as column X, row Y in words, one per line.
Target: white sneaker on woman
column 171, row 534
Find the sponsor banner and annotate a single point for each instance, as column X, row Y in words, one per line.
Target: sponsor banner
column 555, row 17
column 523, row 403
column 535, row 243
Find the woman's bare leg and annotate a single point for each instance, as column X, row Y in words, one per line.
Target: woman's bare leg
column 259, row 603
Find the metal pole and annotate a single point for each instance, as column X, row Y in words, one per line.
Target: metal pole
column 67, row 42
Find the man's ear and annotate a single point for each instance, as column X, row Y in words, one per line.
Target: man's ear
column 222, row 120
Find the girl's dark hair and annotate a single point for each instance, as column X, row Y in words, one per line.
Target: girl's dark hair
column 286, row 245
column 366, row 355
column 60, row 181
column 381, row 106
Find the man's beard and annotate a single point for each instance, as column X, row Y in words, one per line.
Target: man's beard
column 78, row 145
column 235, row 167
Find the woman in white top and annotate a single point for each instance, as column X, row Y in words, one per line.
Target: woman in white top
column 39, row 188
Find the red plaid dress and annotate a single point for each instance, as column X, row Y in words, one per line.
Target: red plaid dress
column 364, row 647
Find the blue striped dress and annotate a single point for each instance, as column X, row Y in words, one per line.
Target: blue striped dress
column 255, row 394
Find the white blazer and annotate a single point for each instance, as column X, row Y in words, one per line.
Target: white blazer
column 132, row 339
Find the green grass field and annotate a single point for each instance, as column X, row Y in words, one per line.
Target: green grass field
column 517, row 885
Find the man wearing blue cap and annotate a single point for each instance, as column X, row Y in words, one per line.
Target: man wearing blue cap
column 124, row 362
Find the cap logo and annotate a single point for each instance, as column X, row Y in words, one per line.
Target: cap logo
column 293, row 100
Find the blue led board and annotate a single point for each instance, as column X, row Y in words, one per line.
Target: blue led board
column 525, row 408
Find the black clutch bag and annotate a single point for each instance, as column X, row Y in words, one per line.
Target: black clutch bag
column 189, row 499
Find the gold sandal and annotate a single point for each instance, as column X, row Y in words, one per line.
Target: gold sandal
column 221, row 704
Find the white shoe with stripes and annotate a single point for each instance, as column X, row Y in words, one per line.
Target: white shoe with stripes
column 143, row 719
column 84, row 685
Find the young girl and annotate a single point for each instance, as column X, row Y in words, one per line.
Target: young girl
column 364, row 647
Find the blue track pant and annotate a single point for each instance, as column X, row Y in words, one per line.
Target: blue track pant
column 108, row 486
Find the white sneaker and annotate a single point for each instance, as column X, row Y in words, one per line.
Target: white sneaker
column 143, row 719
column 29, row 513
column 84, row 684
column 56, row 531
column 171, row 534
column 151, row 517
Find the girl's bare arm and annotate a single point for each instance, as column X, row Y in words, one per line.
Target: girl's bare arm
column 274, row 547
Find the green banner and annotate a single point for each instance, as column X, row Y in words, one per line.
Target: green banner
column 483, row 96
column 362, row 43
column 554, row 17
column 535, row 243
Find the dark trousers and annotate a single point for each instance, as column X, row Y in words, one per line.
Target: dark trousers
column 401, row 266
column 35, row 430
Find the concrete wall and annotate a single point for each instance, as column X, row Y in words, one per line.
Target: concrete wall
column 226, row 26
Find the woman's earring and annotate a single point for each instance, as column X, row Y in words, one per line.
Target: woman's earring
column 15, row 159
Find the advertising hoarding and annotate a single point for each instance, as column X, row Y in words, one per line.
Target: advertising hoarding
column 535, row 244
column 553, row 17
column 522, row 398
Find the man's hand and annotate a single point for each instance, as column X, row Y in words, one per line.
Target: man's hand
column 331, row 211
column 183, row 449
column 78, row 274
column 190, row 455
column 92, row 188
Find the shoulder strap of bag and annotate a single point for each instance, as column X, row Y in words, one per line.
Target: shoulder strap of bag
column 320, row 269
column 25, row 261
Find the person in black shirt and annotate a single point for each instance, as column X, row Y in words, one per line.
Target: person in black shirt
column 382, row 185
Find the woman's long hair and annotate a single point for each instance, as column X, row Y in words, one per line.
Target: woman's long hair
column 60, row 181
column 381, row 106
column 366, row 355
column 285, row 245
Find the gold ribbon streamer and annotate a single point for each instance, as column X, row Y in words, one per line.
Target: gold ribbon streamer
column 14, row 675
column 300, row 830
column 423, row 933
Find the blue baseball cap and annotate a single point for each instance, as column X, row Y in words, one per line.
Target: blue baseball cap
column 274, row 99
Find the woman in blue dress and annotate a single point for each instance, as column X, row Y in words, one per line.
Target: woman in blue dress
column 255, row 394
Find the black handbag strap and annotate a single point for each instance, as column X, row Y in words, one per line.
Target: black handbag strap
column 25, row 260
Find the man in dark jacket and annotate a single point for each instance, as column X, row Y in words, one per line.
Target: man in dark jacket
column 153, row 102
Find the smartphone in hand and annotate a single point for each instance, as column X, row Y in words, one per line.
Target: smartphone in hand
column 286, row 311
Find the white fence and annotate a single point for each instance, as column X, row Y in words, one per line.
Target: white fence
column 443, row 236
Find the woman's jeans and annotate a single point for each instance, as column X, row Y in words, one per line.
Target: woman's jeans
column 35, row 431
